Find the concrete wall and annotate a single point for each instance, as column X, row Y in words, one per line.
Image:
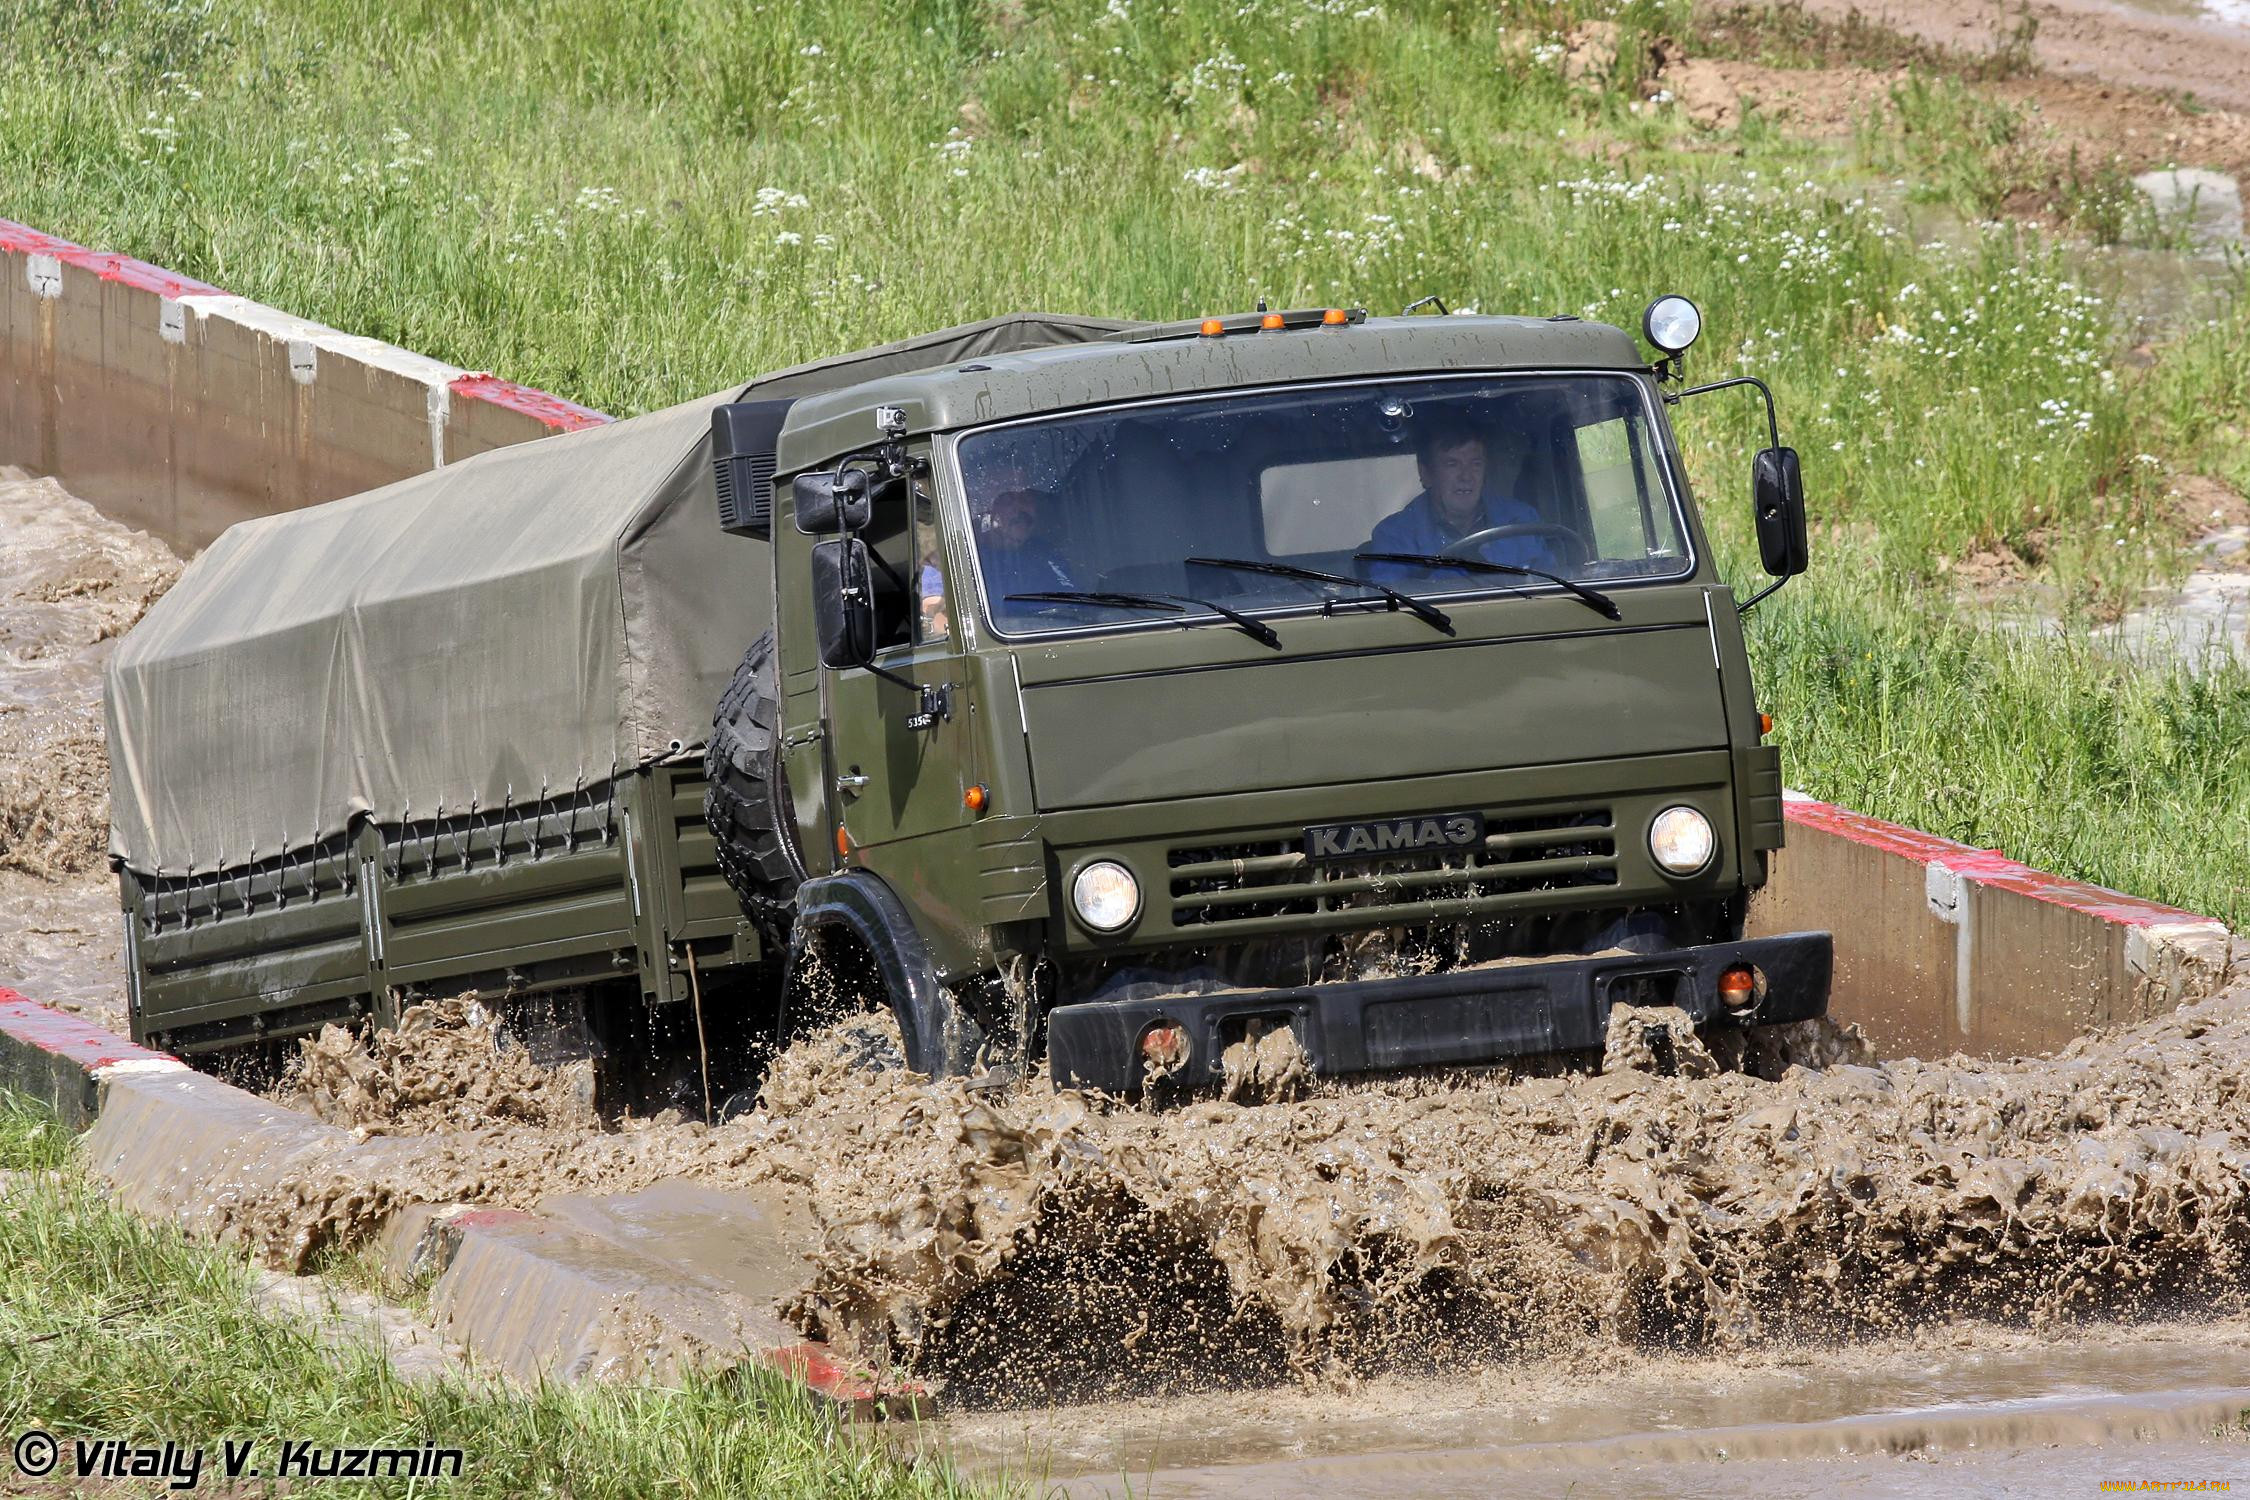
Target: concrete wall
column 180, row 409
column 1941, row 947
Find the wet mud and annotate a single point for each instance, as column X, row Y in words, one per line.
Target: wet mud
column 1021, row 1245
column 71, row 582
column 448, row 1065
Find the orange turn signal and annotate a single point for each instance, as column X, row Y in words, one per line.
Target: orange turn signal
column 1765, row 725
column 1212, row 328
column 975, row 798
column 1738, row 987
column 1271, row 322
column 1335, row 317
column 843, row 843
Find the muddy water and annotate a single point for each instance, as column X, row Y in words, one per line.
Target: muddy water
column 449, row 1065
column 71, row 582
column 1026, row 1246
column 1645, row 1425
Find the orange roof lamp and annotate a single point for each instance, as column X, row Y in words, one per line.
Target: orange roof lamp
column 1277, row 322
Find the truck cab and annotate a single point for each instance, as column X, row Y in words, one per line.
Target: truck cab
column 1131, row 698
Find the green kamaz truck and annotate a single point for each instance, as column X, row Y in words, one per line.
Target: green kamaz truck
column 1087, row 692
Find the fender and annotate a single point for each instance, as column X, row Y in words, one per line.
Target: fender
column 940, row 1040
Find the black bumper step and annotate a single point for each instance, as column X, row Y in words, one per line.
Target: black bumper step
column 1468, row 1016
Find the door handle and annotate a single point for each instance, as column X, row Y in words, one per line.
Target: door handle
column 851, row 783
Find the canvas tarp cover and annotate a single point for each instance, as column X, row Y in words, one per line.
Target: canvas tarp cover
column 514, row 626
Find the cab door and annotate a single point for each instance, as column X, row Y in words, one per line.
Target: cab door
column 897, row 730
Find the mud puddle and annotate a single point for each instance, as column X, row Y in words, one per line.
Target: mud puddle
column 71, row 582
column 1637, row 1424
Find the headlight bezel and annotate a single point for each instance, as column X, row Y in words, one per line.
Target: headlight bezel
column 1710, row 841
column 1675, row 315
column 1100, row 867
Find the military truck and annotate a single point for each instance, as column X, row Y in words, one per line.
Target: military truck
column 1089, row 693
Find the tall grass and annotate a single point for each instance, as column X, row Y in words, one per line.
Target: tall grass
column 632, row 205
column 112, row 1326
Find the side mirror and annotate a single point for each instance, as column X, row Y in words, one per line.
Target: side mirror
column 843, row 600
column 1777, row 492
column 830, row 502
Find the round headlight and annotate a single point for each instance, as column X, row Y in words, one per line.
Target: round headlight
column 1106, row 895
column 1681, row 840
column 1671, row 323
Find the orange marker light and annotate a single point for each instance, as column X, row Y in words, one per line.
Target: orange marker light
column 843, row 844
column 975, row 798
column 1335, row 317
column 1212, row 328
column 1738, row 987
column 1765, row 725
column 1271, row 322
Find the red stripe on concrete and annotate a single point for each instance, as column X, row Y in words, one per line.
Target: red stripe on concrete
column 540, row 406
column 490, row 1218
column 1988, row 866
column 69, row 1037
column 814, row 1367
column 24, row 240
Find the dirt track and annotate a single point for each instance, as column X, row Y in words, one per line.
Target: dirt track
column 71, row 582
column 2157, row 46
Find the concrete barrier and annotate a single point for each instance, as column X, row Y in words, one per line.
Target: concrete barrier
column 60, row 1060
column 180, row 409
column 1942, row 947
column 642, row 1285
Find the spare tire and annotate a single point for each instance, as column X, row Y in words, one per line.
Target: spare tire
column 746, row 797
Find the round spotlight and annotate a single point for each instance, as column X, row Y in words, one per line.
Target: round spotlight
column 1671, row 323
column 1106, row 896
column 1681, row 841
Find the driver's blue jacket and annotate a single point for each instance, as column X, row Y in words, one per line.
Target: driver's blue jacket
column 1415, row 527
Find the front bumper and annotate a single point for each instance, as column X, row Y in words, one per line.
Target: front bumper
column 1468, row 1016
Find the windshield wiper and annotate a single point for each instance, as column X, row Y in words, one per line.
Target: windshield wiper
column 1593, row 599
column 1429, row 614
column 1257, row 630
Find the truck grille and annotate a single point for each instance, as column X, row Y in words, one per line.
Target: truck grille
column 1219, row 884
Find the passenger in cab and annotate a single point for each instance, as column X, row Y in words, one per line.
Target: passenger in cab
column 1457, row 500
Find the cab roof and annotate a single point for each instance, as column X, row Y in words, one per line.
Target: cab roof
column 1134, row 361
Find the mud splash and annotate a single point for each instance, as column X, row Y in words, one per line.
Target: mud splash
column 1025, row 1244
column 447, row 1066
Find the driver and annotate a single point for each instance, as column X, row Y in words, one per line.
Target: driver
column 1017, row 560
column 1453, row 462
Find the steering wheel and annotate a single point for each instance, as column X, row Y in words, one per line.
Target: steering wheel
column 1579, row 554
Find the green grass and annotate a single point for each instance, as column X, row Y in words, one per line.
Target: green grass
column 111, row 1326
column 632, row 205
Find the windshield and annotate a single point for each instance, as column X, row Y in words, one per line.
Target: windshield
column 1184, row 502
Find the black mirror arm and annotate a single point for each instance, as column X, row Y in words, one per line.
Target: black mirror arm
column 1773, row 423
column 1752, row 602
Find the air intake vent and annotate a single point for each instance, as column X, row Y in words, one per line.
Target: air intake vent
column 743, row 438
